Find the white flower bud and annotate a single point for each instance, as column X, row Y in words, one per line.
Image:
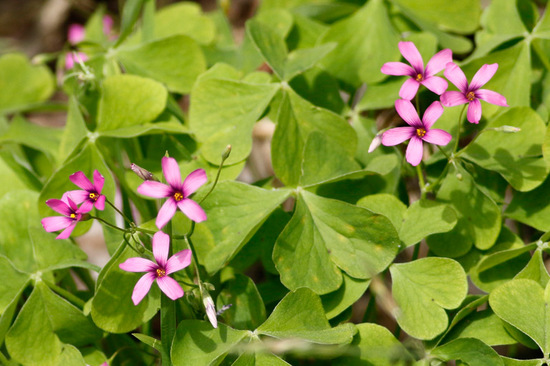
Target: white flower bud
column 210, row 310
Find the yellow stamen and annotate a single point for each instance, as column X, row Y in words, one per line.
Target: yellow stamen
column 178, row 196
column 419, row 77
column 72, row 216
column 93, row 196
column 420, row 132
column 161, row 272
column 471, row 96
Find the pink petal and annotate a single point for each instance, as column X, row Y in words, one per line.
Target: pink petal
column 439, row 61
column 166, row 212
column 397, row 69
column 192, row 210
column 72, row 58
column 432, row 114
column 138, row 264
column 68, row 231
column 453, row 98
column 474, row 111
column 154, row 189
column 408, row 89
column 69, row 200
column 69, row 61
column 171, row 172
column 407, row 111
column 178, row 261
column 170, row 287
column 491, row 97
column 80, row 179
column 142, row 287
column 193, row 181
column 86, row 206
column 411, row 54
column 107, row 24
column 59, row 206
column 435, row 84
column 54, row 223
column 483, row 75
column 76, row 33
column 161, row 246
column 455, row 75
column 414, row 151
column 100, row 203
column 78, row 195
column 397, row 135
column 99, row 180
column 437, row 137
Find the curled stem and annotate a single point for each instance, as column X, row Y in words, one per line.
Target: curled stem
column 120, row 212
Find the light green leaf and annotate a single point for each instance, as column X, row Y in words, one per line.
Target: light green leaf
column 513, row 362
column 532, row 208
column 485, row 326
column 278, row 19
column 70, row 355
column 387, row 205
column 469, row 350
column 247, row 310
column 150, row 341
column 223, row 112
column 12, row 283
column 128, row 100
column 423, row 289
column 170, row 127
column 535, row 270
column 74, row 132
column 291, row 319
column 50, row 253
column 366, row 40
column 197, row 343
column 303, row 59
column 546, row 147
column 175, row 61
column 23, row 84
column 259, row 359
column 270, row 44
column 516, row 156
column 351, row 290
column 542, row 29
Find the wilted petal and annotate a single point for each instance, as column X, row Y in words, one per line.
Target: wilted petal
column 59, row 206
column 432, row 114
column 154, row 189
column 138, row 264
column 161, row 246
column 142, row 287
column 491, row 97
column 171, row 171
column 474, row 111
column 455, row 75
column 411, row 54
column 192, row 210
column 68, row 231
column 407, row 111
column 100, row 203
column 78, row 196
column 397, row 135
column 170, row 287
column 408, row 89
column 193, row 181
column 80, row 179
column 166, row 212
column 437, row 137
column 439, row 61
column 178, row 261
column 99, row 180
column 435, row 84
column 483, row 75
column 453, row 98
column 76, row 33
column 397, row 69
column 54, row 223
column 414, row 151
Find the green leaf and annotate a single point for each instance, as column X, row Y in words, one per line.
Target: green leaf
column 175, row 61
column 23, row 84
column 128, row 100
column 513, row 362
column 70, row 355
column 522, row 303
column 112, row 306
column 235, row 211
column 516, row 156
column 423, row 289
column 300, row 314
column 150, row 341
column 535, row 270
column 247, row 310
column 387, row 205
column 532, row 208
column 301, row 60
column 12, row 283
column 546, row 147
column 50, row 253
column 483, row 325
column 130, row 14
column 74, row 132
column 469, row 350
column 366, row 40
column 351, row 290
column 259, row 359
column 197, row 343
column 325, row 234
column 223, row 112
column 269, row 44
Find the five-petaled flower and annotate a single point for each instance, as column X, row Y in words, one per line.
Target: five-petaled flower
column 471, row 93
column 178, row 192
column 419, row 75
column 158, row 271
column 71, row 216
column 90, row 194
column 418, row 130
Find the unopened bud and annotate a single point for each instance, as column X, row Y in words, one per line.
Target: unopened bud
column 210, row 309
column 226, row 152
column 507, row 129
column 224, row 309
column 143, row 173
column 376, row 141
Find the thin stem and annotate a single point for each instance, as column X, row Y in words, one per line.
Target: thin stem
column 66, row 294
column 371, row 309
column 459, row 126
column 421, row 181
column 147, row 231
column 108, row 224
column 225, row 155
column 443, row 174
column 417, row 104
column 120, row 212
column 443, row 152
column 195, row 258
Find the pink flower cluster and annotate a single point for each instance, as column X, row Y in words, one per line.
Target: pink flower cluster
column 76, row 34
column 420, row 130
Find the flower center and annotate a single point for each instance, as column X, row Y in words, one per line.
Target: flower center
column 161, row 272
column 93, row 196
column 72, row 215
column 178, row 196
column 471, row 96
column 419, row 77
column 420, row 132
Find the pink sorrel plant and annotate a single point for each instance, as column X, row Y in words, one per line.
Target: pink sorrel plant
column 90, row 194
column 71, row 216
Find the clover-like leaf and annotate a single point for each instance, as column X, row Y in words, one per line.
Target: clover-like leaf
column 350, row 291
column 248, row 311
column 532, row 208
column 469, row 350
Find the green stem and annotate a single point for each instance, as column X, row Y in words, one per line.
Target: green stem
column 148, row 24
column 416, row 251
column 459, row 126
column 443, row 174
column 371, row 309
column 443, row 152
column 417, row 104
column 66, row 294
column 225, row 155
column 167, row 317
column 421, row 181
column 120, row 212
column 147, row 231
column 108, row 224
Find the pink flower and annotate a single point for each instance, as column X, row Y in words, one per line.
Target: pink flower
column 107, row 25
column 419, row 75
column 72, row 58
column 471, row 93
column 176, row 191
column 419, row 130
column 90, row 195
column 76, row 33
column 71, row 216
column 158, row 271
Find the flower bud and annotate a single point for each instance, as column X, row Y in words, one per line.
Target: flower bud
column 226, row 152
column 143, row 173
column 376, row 141
column 507, row 129
column 210, row 309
